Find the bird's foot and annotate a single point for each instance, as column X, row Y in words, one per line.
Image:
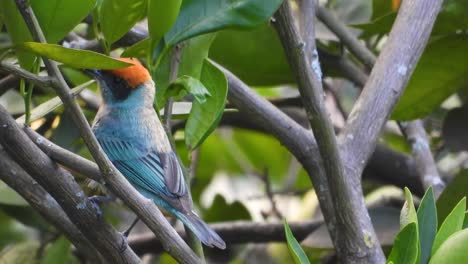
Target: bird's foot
column 129, row 229
column 97, row 200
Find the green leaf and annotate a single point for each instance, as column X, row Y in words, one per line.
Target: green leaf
column 427, row 224
column 194, row 53
column 58, row 17
column 452, row 224
column 187, row 84
column 204, row 117
column 441, row 71
column 117, row 17
column 465, row 221
column 405, row 248
column 453, row 250
column 408, row 212
column 137, row 50
column 162, row 14
column 379, row 26
column 261, row 43
column 82, row 59
column 58, row 252
column 10, row 197
column 49, row 106
column 452, row 194
column 221, row 211
column 203, row 16
column 27, row 216
column 17, row 30
column 295, row 249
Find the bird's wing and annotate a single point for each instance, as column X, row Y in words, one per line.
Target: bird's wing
column 156, row 172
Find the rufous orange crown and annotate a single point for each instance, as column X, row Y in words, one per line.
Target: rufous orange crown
column 134, row 75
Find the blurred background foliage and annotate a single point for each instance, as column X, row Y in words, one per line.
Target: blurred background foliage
column 237, row 169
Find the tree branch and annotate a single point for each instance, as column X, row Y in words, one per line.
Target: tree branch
column 61, row 185
column 143, row 207
column 19, row 180
column 353, row 234
column 425, row 164
column 237, row 232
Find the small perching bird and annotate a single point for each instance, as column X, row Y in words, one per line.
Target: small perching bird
column 131, row 134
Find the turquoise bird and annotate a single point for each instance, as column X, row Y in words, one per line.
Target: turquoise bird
column 131, row 134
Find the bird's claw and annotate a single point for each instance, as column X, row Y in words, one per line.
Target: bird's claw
column 97, row 200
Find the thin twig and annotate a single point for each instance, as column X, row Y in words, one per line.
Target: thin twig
column 144, row 208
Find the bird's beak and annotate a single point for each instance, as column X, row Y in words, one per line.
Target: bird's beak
column 92, row 73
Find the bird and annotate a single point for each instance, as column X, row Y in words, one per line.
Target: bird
column 130, row 133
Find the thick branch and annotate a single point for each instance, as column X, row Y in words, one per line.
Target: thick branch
column 353, row 235
column 387, row 81
column 238, row 232
column 61, row 185
column 19, row 180
column 144, row 208
column 425, row 164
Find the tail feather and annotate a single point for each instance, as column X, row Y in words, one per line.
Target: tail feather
column 206, row 235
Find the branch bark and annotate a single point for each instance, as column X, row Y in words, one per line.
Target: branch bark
column 143, row 207
column 61, row 185
column 353, row 234
column 39, row 199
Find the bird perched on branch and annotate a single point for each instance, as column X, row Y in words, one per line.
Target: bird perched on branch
column 131, row 134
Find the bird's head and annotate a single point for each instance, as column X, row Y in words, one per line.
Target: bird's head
column 128, row 85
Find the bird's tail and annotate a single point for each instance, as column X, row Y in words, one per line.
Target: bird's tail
column 206, row 235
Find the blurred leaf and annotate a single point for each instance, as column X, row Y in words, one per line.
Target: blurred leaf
column 378, row 26
column 455, row 129
column 451, row 224
column 58, row 17
column 205, row 116
column 26, row 215
column 396, row 142
column 381, row 8
column 234, row 49
column 453, row 250
column 221, row 211
column 194, row 53
column 9, row 196
column 22, row 253
column 405, row 248
column 117, row 17
column 9, row 231
column 294, row 248
column 162, row 15
column 17, row 30
column 137, row 50
column 58, row 252
column 441, row 71
column 49, row 106
column 465, row 221
column 203, row 16
column 408, row 212
column 427, row 224
column 83, row 59
column 452, row 194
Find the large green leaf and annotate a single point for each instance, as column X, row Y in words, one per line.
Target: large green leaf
column 202, row 16
column 427, row 224
column 452, row 224
column 295, row 249
column 58, row 17
column 83, row 59
column 194, row 53
column 117, row 17
column 205, row 116
column 453, row 250
column 452, row 194
column 405, row 248
column 441, row 71
column 162, row 14
column 9, row 197
column 221, row 211
column 235, row 49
